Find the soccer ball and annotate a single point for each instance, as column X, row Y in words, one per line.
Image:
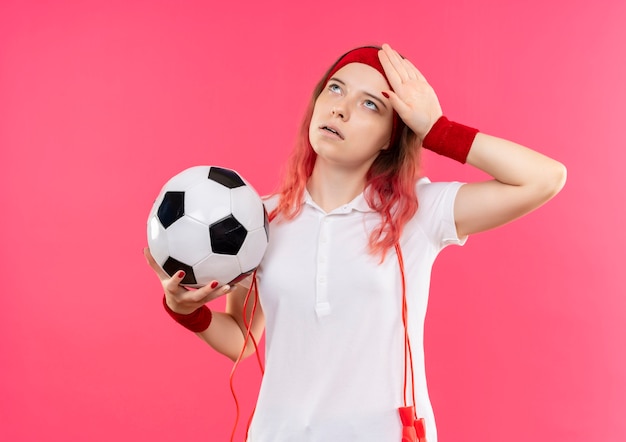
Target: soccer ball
column 210, row 223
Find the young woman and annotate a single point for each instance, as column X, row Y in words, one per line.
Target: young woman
column 355, row 232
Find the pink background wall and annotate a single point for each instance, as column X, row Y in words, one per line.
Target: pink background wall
column 101, row 102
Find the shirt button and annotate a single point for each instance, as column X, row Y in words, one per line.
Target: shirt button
column 322, row 279
column 322, row 259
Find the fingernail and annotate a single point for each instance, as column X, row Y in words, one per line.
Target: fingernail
column 226, row 288
column 385, row 94
column 181, row 274
column 214, row 284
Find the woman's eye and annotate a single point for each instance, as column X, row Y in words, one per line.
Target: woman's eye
column 370, row 105
column 334, row 88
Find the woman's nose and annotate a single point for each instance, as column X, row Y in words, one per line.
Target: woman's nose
column 338, row 111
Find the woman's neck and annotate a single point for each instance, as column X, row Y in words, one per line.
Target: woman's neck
column 332, row 187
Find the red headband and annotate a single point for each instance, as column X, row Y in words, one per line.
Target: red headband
column 367, row 55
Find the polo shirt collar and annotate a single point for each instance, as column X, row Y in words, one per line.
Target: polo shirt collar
column 359, row 204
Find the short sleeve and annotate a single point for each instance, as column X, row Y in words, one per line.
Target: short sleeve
column 435, row 213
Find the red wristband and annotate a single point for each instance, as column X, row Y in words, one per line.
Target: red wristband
column 450, row 139
column 196, row 321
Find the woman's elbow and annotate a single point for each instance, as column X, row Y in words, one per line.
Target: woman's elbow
column 559, row 177
column 554, row 179
column 239, row 355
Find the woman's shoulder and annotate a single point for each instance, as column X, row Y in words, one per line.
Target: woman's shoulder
column 431, row 193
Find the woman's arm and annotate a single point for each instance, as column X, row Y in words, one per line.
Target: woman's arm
column 523, row 181
column 227, row 331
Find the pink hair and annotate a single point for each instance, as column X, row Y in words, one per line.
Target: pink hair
column 390, row 186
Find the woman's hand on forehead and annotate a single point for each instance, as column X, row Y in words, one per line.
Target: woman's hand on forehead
column 412, row 97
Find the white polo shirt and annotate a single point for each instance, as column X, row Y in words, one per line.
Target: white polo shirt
column 334, row 334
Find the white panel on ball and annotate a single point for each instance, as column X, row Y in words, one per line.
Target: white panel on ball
column 252, row 249
column 187, row 178
column 246, row 208
column 207, row 211
column 189, row 240
column 222, row 268
column 157, row 239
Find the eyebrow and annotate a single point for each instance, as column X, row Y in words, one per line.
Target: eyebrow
column 373, row 97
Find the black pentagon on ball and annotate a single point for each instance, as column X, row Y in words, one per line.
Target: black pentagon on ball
column 172, row 208
column 171, row 266
column 226, row 177
column 227, row 236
